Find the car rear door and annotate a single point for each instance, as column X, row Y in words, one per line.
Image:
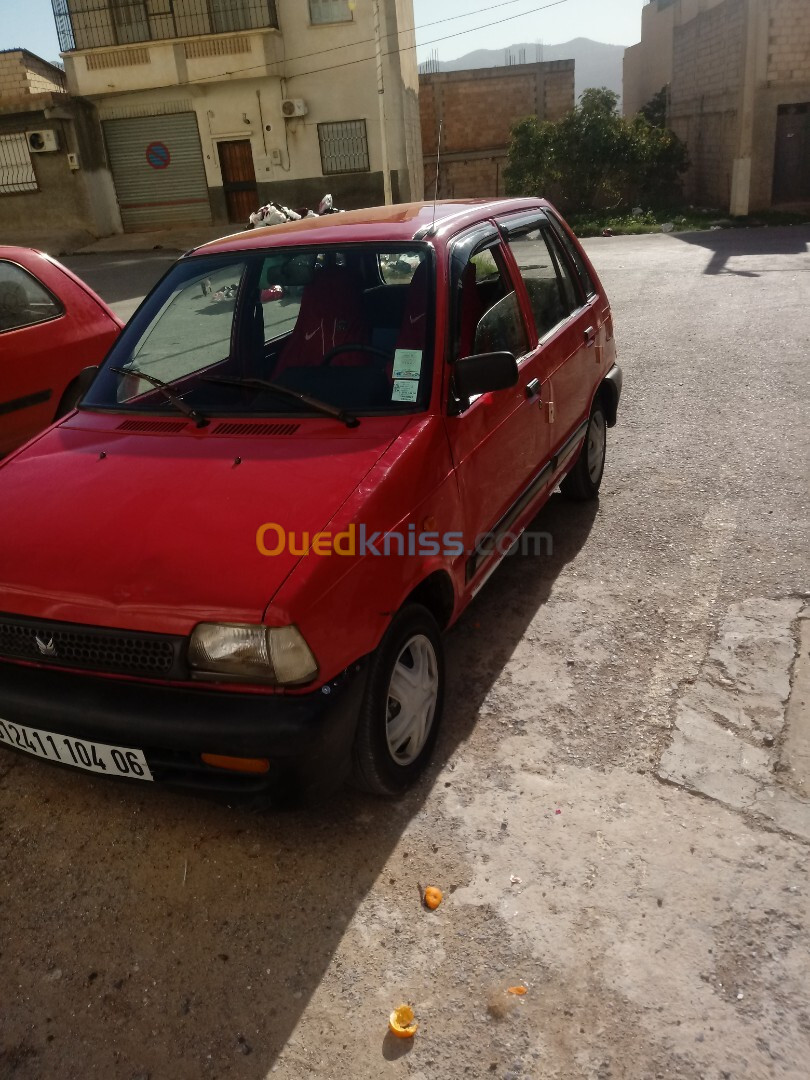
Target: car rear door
column 496, row 439
column 30, row 318
column 568, row 324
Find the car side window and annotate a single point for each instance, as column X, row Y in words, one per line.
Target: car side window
column 548, row 280
column 23, row 301
column 489, row 317
column 575, row 255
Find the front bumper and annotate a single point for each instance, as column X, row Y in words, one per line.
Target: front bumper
column 308, row 735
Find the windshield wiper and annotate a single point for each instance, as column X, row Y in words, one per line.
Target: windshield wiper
column 285, row 391
column 168, row 393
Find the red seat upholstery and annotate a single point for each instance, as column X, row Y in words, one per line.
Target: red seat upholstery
column 414, row 320
column 330, row 314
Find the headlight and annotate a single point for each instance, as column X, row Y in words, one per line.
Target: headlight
column 253, row 653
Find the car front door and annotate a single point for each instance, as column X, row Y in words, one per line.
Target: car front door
column 496, row 439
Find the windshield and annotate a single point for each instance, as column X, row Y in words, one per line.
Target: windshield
column 348, row 327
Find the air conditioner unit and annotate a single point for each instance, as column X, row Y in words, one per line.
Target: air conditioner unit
column 291, row 107
column 40, row 141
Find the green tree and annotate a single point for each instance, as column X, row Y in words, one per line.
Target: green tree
column 592, row 157
column 655, row 111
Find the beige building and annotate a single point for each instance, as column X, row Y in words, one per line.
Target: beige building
column 54, row 184
column 738, row 73
column 213, row 107
column 476, row 110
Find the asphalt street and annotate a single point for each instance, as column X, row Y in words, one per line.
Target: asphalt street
column 121, row 280
column 618, row 814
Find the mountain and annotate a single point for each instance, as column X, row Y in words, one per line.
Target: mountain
column 597, row 64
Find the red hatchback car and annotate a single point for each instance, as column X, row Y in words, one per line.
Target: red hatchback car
column 306, row 453
column 51, row 327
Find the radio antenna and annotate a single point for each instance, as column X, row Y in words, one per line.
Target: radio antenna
column 438, row 167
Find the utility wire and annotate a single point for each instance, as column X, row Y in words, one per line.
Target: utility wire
column 392, row 52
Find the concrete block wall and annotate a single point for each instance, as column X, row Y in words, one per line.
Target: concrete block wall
column 13, row 76
column 43, row 77
column 707, row 72
column 23, row 73
column 788, row 41
column 708, row 53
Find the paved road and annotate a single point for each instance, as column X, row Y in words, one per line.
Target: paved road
column 616, row 815
column 121, row 280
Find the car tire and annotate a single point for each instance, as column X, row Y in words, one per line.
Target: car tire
column 582, row 483
column 392, row 748
column 69, row 400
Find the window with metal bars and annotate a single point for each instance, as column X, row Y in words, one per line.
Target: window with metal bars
column 16, row 171
column 330, row 11
column 344, row 147
column 94, row 24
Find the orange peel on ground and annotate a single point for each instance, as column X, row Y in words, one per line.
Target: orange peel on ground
column 402, row 1022
column 433, row 897
column 519, row 990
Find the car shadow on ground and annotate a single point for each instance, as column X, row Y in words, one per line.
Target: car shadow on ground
column 164, row 936
column 725, row 244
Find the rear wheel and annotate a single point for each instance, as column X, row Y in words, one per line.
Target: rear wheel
column 582, row 483
column 400, row 716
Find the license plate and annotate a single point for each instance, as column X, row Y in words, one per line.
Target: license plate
column 79, row 753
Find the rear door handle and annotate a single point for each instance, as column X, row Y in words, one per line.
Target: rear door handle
column 590, row 336
column 533, row 388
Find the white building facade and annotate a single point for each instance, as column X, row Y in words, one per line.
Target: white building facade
column 213, row 107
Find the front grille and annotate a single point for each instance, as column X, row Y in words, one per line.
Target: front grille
column 90, row 648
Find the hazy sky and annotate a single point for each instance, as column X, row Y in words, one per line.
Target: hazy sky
column 29, row 23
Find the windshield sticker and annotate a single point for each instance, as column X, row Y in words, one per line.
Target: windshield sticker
column 408, row 364
column 405, row 390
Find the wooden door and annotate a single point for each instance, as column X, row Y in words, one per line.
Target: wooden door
column 238, row 179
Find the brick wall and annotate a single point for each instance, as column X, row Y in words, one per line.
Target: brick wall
column 469, row 178
column 477, row 109
column 22, row 73
column 788, row 41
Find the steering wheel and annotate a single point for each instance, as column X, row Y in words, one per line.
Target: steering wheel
column 350, row 347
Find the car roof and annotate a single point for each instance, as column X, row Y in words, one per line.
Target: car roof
column 17, row 253
column 399, row 223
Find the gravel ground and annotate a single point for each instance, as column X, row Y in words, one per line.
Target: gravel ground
column 616, row 816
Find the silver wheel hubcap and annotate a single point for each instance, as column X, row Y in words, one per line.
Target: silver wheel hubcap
column 412, row 695
column 596, row 446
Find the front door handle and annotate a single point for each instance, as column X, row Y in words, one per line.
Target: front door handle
column 532, row 388
column 590, row 336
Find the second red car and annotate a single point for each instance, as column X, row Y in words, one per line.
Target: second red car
column 52, row 326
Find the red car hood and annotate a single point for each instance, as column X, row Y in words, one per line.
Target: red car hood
column 158, row 532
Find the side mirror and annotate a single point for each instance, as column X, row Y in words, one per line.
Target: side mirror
column 85, row 380
column 485, row 372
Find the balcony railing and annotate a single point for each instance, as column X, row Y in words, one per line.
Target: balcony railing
column 96, row 24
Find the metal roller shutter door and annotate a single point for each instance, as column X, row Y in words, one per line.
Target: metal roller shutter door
column 158, row 169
